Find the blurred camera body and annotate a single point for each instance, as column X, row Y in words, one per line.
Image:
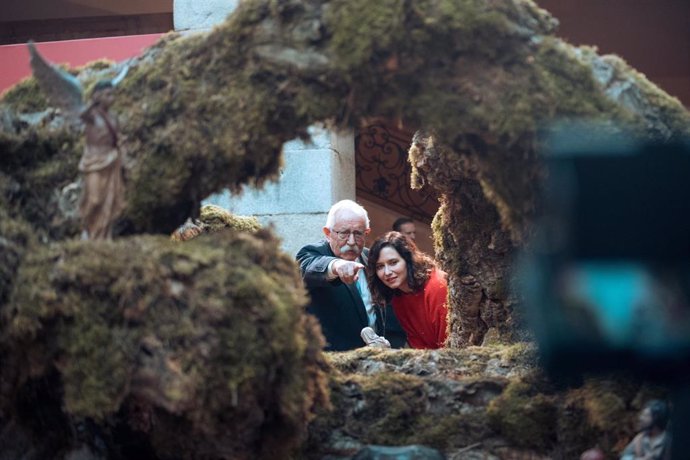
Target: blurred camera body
column 606, row 280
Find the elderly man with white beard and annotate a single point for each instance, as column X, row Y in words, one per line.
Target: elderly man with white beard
column 333, row 272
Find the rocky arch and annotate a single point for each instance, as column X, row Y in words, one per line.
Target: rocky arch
column 211, row 111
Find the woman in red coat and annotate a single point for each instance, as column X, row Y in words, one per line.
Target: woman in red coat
column 401, row 274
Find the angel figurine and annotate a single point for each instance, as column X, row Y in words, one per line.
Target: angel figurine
column 103, row 195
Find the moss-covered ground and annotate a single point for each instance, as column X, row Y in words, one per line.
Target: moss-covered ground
column 477, row 402
column 210, row 331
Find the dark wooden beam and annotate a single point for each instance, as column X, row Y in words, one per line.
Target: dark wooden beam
column 84, row 27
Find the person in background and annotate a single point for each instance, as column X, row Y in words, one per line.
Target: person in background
column 652, row 442
column 333, row 272
column 401, row 274
column 406, row 226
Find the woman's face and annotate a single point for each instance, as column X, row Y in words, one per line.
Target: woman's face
column 391, row 269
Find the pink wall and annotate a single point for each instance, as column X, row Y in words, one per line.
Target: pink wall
column 14, row 59
column 652, row 36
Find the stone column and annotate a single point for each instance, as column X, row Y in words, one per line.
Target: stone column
column 314, row 176
column 199, row 15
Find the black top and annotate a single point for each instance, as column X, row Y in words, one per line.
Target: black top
column 338, row 306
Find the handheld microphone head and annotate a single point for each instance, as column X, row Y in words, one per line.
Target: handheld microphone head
column 374, row 340
column 368, row 335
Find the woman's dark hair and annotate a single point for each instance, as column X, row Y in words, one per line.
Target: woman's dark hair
column 659, row 411
column 419, row 266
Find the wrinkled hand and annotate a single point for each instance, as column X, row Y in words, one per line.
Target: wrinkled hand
column 347, row 271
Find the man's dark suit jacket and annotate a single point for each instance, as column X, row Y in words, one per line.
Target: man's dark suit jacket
column 338, row 306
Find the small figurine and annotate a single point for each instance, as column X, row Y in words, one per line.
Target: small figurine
column 652, row 442
column 103, row 195
column 187, row 231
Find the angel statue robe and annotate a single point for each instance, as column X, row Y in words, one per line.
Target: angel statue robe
column 102, row 199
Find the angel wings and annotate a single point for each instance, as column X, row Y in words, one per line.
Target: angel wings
column 102, row 196
column 62, row 88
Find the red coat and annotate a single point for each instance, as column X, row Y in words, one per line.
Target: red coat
column 424, row 314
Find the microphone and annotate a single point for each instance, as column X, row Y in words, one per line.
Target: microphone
column 374, row 340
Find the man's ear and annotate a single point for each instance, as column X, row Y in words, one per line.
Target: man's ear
column 367, row 231
column 327, row 232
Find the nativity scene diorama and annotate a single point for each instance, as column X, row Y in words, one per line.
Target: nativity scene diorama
column 162, row 327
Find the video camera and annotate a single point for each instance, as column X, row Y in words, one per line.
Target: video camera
column 606, row 280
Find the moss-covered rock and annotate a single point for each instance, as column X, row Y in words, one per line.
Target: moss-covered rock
column 435, row 398
column 209, row 334
column 525, row 417
column 214, row 218
column 38, row 159
column 25, row 97
column 477, row 402
column 16, row 237
column 211, row 111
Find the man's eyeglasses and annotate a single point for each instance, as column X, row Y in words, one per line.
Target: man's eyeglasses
column 345, row 235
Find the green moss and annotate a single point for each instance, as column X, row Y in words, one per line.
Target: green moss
column 448, row 430
column 211, row 331
column 603, row 411
column 568, row 85
column 25, row 97
column 366, row 33
column 605, row 402
column 16, row 237
column 399, row 397
column 215, row 218
column 457, row 66
column 524, row 418
column 349, row 362
column 393, row 411
column 57, row 172
column 575, row 434
column 40, row 160
column 218, row 320
column 468, row 361
column 185, row 108
column 520, row 353
column 32, row 146
column 361, row 28
column 95, row 373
